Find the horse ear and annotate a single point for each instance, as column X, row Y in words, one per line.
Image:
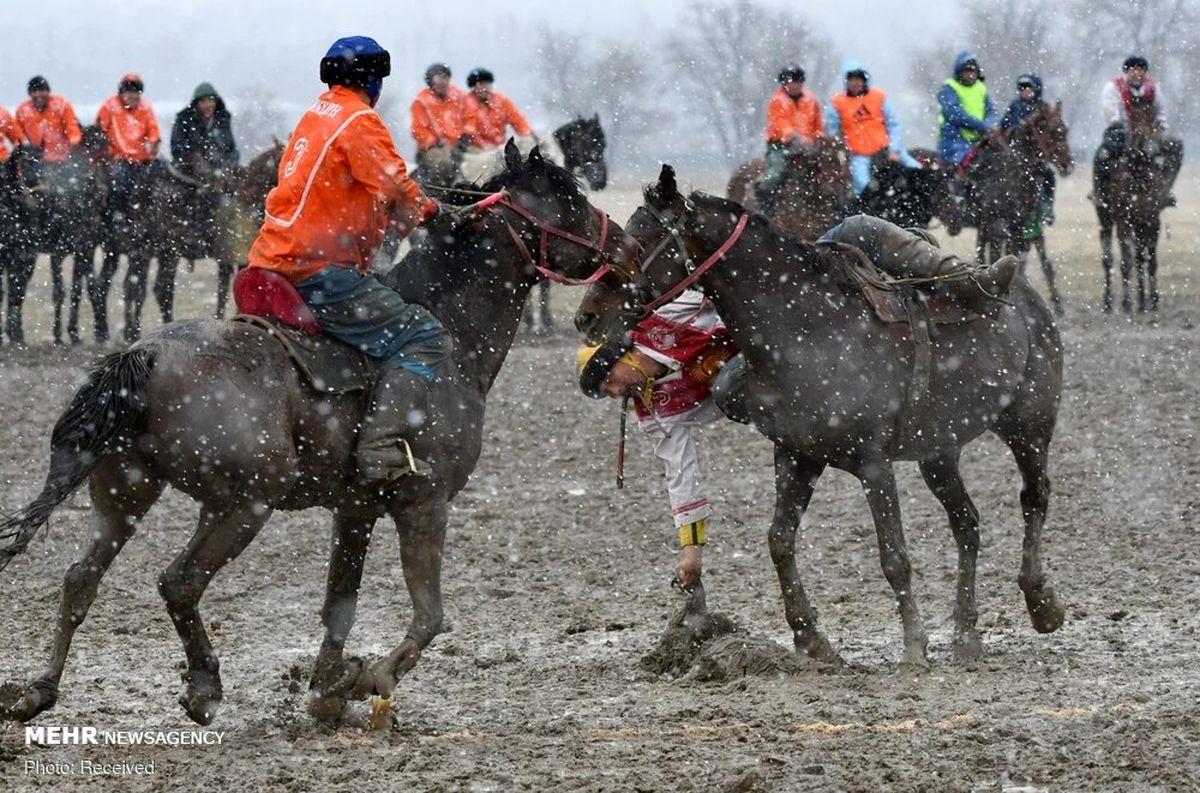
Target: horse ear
column 596, row 119
column 1058, row 106
column 668, row 189
column 512, row 156
column 535, row 156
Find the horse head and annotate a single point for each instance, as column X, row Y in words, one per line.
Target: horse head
column 25, row 175
column 583, row 144
column 1048, row 132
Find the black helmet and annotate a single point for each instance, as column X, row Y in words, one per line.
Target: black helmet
column 434, row 70
column 1136, row 62
column 791, row 74
column 38, row 83
column 355, row 61
column 862, row 74
column 480, row 75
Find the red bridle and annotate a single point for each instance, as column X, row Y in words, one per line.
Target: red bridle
column 694, row 276
column 492, row 205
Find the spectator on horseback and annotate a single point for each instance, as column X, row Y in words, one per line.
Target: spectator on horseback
column 437, row 127
column 967, row 115
column 1027, row 102
column 339, row 181
column 203, row 149
column 129, row 124
column 1117, row 98
column 668, row 371
column 488, row 114
column 48, row 121
column 793, row 123
column 864, row 119
column 10, row 132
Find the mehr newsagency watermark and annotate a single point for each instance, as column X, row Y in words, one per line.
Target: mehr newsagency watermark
column 91, row 736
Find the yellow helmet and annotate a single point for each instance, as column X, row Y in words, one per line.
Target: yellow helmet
column 592, row 365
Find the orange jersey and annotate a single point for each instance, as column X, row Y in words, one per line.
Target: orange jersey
column 488, row 122
column 54, row 128
column 338, row 177
column 9, row 132
column 863, row 126
column 132, row 132
column 435, row 118
column 788, row 118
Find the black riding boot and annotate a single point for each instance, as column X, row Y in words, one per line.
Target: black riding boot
column 398, row 411
column 728, row 390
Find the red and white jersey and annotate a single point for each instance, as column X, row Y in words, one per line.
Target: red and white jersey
column 679, row 335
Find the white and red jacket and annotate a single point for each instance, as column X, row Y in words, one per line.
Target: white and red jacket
column 1117, row 94
column 680, row 335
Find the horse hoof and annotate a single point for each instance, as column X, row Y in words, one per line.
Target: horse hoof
column 968, row 647
column 201, row 696
column 330, row 710
column 1045, row 612
column 22, row 704
column 915, row 659
column 820, row 650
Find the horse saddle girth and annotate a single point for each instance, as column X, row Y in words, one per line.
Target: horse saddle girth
column 329, row 366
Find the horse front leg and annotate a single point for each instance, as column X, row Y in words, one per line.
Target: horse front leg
column 795, row 478
column 1106, row 261
column 1048, row 271
column 422, row 530
column 81, row 277
column 1152, row 268
column 333, row 678
column 945, row 481
column 1127, row 254
column 58, row 293
column 879, row 483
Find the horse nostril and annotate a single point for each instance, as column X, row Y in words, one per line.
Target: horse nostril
column 584, row 321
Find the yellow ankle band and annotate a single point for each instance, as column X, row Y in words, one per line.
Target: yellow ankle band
column 691, row 533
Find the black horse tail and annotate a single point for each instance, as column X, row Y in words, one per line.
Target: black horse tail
column 104, row 417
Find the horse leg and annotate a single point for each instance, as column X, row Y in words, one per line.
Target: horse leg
column 119, row 501
column 224, row 277
column 1048, row 271
column 795, row 479
column 1139, row 258
column 422, row 530
column 57, row 292
column 81, row 272
column 1106, row 260
column 1127, row 254
column 164, row 286
column 879, row 483
column 223, row 533
column 544, row 305
column 945, row 482
column 135, row 295
column 19, row 273
column 1152, row 268
column 331, row 676
column 98, row 293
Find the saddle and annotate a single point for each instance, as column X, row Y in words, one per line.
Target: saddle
column 269, row 301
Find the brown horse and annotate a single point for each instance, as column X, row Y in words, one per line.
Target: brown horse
column 219, row 411
column 1131, row 202
column 1007, row 177
column 813, row 194
column 831, row 385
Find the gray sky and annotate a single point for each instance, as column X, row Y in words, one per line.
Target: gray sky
column 239, row 44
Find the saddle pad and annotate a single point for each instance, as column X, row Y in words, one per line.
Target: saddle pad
column 330, row 366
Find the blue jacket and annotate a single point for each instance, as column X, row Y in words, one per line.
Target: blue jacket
column 1019, row 109
column 951, row 145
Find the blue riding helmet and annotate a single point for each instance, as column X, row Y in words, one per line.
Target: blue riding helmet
column 357, row 62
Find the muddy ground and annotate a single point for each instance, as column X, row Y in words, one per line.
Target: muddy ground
column 556, row 587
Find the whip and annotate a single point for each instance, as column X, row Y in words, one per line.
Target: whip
column 621, row 444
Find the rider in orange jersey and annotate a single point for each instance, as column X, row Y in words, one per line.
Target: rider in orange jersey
column 49, row 121
column 793, row 123
column 10, row 130
column 437, row 127
column 488, row 114
column 338, row 178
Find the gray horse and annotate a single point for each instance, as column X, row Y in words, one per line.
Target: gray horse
column 830, row 385
column 219, row 411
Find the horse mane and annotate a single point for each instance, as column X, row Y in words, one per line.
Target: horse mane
column 562, row 182
column 795, row 254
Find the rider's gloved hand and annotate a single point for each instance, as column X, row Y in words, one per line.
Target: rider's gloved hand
column 429, row 211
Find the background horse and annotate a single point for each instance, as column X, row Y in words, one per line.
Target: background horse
column 22, row 198
column 908, row 197
column 831, row 385
column 72, row 224
column 813, row 194
column 1131, row 201
column 218, row 410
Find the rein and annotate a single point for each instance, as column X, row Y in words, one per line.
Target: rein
column 493, row 204
column 695, row 275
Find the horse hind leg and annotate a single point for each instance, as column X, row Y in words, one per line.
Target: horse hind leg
column 225, row 270
column 1106, row 261
column 332, row 677
column 122, row 493
column 164, row 286
column 81, row 274
column 20, row 270
column 57, row 293
column 224, row 531
column 945, row 482
column 1048, row 271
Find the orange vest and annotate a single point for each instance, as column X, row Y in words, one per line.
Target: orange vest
column 863, row 127
column 338, row 177
column 488, row 122
column 132, row 132
column 788, row 118
column 54, row 128
column 9, row 130
column 437, row 119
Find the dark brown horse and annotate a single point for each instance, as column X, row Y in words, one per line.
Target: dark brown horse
column 830, row 385
column 218, row 410
column 1007, row 177
column 813, row 194
column 1131, row 202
